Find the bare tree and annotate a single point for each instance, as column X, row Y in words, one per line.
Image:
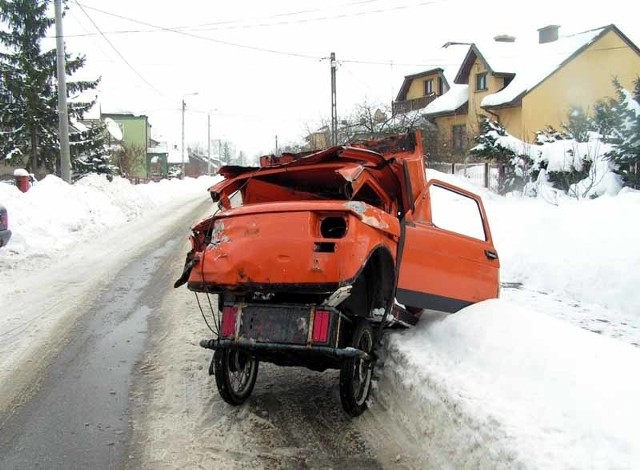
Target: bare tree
column 130, row 158
column 365, row 121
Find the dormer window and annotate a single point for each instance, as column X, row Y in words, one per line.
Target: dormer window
column 481, row 81
column 428, row 87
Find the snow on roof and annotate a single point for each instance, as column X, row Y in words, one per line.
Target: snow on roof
column 530, row 62
column 175, row 155
column 161, row 148
column 457, row 96
column 120, row 111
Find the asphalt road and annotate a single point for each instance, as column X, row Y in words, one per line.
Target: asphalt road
column 79, row 416
column 130, row 389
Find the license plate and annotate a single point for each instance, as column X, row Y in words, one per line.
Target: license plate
column 281, row 324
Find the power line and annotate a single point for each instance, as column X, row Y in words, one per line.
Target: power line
column 226, row 25
column 229, row 25
column 118, row 52
column 279, row 15
column 256, row 48
column 205, row 38
column 321, row 18
column 181, row 31
column 263, row 49
column 93, row 40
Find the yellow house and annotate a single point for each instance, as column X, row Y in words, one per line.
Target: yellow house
column 441, row 99
column 527, row 87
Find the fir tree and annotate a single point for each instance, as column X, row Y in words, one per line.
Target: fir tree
column 619, row 122
column 92, row 156
column 514, row 169
column 578, row 125
column 28, row 91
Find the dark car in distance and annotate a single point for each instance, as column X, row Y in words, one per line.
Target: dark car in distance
column 5, row 233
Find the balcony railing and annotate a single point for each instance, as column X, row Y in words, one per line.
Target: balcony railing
column 400, row 107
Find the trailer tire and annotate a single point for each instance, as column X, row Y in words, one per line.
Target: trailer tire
column 236, row 372
column 355, row 373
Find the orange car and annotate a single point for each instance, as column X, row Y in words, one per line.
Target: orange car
column 312, row 255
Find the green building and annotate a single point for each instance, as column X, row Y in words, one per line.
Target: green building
column 136, row 140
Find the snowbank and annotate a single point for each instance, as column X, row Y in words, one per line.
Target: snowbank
column 54, row 215
column 530, row 389
column 586, row 250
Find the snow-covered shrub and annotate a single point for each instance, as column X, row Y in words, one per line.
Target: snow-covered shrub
column 575, row 158
column 579, row 169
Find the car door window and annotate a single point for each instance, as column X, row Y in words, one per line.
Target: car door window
column 456, row 212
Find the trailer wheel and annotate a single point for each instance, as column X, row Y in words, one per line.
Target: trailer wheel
column 236, row 373
column 355, row 373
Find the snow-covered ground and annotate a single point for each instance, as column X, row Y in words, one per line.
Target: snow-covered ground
column 519, row 381
column 54, row 216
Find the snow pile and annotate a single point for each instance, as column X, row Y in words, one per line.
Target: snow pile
column 54, row 215
column 503, row 385
column 585, row 250
column 528, row 390
column 579, row 249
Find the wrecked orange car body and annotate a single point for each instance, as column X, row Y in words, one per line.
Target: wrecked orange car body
column 313, row 255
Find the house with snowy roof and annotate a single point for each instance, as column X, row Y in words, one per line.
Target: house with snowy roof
column 135, row 134
column 526, row 86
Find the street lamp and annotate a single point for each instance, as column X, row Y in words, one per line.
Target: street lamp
column 184, row 106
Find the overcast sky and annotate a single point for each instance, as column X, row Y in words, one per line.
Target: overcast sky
column 260, row 68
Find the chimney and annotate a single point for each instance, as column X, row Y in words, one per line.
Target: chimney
column 548, row 34
column 504, row 38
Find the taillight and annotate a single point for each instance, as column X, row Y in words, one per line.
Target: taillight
column 321, row 321
column 229, row 314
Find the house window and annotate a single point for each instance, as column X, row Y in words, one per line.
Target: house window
column 428, row 87
column 481, row 81
column 459, row 143
column 440, row 87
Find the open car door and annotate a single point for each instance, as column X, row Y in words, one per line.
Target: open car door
column 447, row 258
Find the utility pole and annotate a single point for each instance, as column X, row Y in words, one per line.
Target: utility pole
column 63, row 113
column 182, row 145
column 209, row 144
column 184, row 107
column 276, row 144
column 334, row 109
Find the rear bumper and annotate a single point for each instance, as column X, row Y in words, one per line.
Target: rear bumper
column 253, row 346
column 287, row 334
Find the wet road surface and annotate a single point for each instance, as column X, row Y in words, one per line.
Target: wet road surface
column 79, row 416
